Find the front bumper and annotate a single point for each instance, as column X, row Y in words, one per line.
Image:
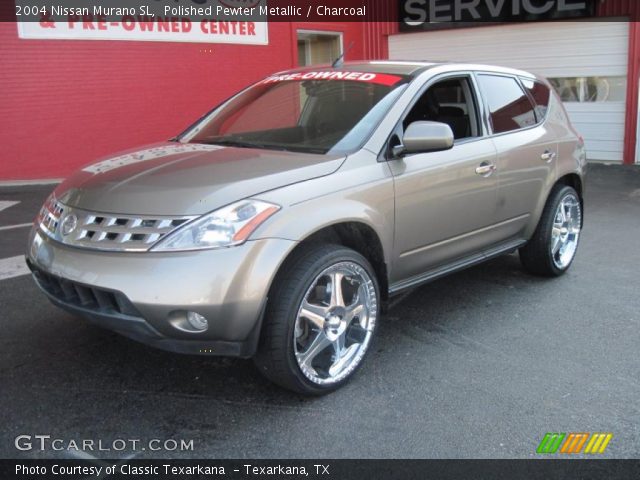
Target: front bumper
column 138, row 294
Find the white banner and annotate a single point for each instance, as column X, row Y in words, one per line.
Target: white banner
column 137, row 24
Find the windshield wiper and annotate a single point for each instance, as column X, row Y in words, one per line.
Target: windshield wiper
column 266, row 146
column 233, row 143
column 239, row 144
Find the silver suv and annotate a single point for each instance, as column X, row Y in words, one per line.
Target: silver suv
column 280, row 223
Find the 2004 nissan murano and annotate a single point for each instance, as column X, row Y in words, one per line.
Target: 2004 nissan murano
column 279, row 224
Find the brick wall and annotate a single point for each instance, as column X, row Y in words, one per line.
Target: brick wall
column 67, row 102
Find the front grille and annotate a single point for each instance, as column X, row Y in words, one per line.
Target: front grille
column 106, row 231
column 49, row 217
column 102, row 231
column 77, row 294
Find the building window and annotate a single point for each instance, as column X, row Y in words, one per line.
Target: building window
column 591, row 89
column 317, row 48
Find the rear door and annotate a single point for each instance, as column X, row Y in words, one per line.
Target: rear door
column 526, row 147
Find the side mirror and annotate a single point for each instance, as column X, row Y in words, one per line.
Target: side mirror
column 422, row 137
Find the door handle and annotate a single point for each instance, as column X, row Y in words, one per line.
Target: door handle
column 548, row 156
column 486, row 169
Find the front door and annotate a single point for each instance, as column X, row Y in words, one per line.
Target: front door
column 445, row 201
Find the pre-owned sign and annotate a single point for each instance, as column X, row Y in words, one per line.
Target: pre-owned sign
column 433, row 14
column 139, row 23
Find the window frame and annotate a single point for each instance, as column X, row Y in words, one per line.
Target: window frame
column 487, row 110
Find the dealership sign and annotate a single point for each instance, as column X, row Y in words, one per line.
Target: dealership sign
column 378, row 78
column 433, row 14
column 217, row 21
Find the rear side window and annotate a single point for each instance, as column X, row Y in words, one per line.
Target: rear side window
column 540, row 94
column 509, row 107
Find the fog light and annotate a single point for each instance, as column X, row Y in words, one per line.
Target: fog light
column 197, row 321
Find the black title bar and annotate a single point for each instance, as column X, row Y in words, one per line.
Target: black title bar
column 321, row 469
column 410, row 14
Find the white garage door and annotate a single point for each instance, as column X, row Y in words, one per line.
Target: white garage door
column 586, row 61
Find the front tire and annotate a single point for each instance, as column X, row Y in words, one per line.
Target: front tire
column 554, row 244
column 320, row 320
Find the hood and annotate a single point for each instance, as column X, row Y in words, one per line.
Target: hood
column 187, row 179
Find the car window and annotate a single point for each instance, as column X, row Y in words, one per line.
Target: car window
column 312, row 112
column 449, row 101
column 284, row 104
column 540, row 94
column 509, row 107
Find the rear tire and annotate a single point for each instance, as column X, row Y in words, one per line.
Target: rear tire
column 315, row 336
column 554, row 244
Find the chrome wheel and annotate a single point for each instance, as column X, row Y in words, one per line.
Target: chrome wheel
column 335, row 323
column 566, row 231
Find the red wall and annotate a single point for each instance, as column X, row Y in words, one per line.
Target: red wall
column 67, row 102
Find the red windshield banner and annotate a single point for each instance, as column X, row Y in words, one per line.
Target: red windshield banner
column 367, row 77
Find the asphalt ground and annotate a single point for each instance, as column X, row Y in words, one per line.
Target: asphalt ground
column 480, row 364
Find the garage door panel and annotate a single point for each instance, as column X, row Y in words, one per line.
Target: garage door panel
column 610, row 146
column 605, row 107
column 540, row 47
column 554, row 50
column 602, row 155
column 596, row 117
column 464, row 53
column 598, row 121
column 601, row 132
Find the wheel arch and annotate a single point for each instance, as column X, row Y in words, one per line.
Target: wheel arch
column 574, row 181
column 358, row 236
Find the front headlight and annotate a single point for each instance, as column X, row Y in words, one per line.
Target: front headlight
column 231, row 225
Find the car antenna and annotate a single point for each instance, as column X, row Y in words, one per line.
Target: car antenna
column 340, row 60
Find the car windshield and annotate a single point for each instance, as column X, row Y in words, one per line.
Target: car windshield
column 313, row 112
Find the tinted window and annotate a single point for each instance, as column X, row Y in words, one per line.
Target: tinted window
column 540, row 94
column 509, row 106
